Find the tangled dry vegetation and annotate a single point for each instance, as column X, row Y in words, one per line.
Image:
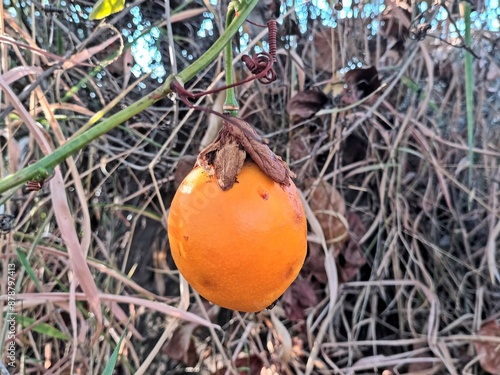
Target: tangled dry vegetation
column 402, row 273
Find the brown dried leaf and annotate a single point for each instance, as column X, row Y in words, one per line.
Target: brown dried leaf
column 302, row 145
column 181, row 346
column 360, row 83
column 353, row 149
column 299, row 147
column 123, row 63
column 315, row 263
column 299, row 297
column 488, row 351
column 224, row 157
column 305, row 104
column 395, row 23
column 329, row 207
column 351, row 257
column 323, row 45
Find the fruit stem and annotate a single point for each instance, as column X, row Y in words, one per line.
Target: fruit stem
column 231, row 104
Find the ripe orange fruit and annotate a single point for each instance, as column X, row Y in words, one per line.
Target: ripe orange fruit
column 240, row 248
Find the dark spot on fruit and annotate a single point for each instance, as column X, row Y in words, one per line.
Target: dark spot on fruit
column 264, row 195
column 186, row 238
column 289, row 271
column 207, row 282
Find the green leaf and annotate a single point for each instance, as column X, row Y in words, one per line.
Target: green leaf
column 42, row 328
column 104, row 8
column 110, row 366
column 25, row 262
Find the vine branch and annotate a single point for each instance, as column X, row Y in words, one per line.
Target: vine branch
column 50, row 161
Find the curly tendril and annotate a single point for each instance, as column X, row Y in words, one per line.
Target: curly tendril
column 261, row 66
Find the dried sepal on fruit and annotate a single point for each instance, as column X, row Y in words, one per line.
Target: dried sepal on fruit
column 224, row 157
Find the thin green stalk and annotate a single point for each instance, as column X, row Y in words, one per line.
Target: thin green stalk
column 42, row 168
column 469, row 89
column 231, row 104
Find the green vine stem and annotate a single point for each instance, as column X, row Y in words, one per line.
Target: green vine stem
column 44, row 166
column 469, row 89
column 231, row 104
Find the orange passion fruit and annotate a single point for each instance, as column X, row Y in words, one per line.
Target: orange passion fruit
column 240, row 248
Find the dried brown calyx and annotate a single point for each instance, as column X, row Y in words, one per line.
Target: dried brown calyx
column 237, row 140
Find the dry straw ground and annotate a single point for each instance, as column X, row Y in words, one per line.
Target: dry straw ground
column 402, row 274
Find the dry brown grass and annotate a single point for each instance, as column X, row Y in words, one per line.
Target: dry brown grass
column 399, row 161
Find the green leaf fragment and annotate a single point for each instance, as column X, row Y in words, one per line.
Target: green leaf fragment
column 43, row 328
column 110, row 366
